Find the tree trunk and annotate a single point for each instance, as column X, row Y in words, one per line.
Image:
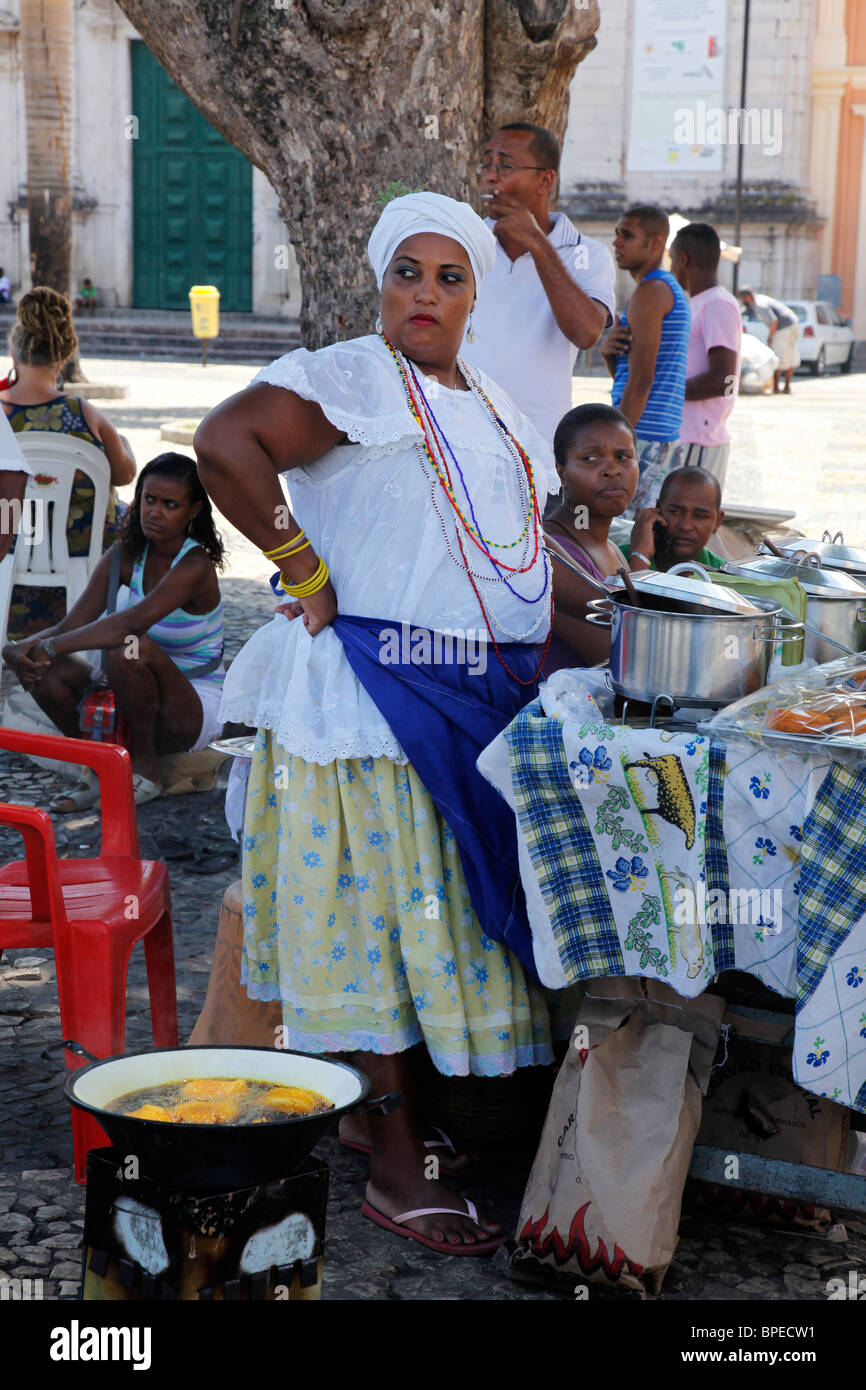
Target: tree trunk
column 46, row 56
column 338, row 104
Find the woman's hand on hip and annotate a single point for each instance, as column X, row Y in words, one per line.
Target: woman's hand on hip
column 318, row 611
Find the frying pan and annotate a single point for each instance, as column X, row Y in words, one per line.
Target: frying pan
column 218, row 1158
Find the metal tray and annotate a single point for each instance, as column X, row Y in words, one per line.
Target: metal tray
column 242, row 746
column 850, row 743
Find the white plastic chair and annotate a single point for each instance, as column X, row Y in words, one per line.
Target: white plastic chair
column 41, row 558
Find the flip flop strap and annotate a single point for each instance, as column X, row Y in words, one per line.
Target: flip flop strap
column 471, row 1212
column 443, row 1142
column 140, row 782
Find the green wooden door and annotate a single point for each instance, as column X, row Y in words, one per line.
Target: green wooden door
column 192, row 199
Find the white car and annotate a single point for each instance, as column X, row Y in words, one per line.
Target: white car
column 824, row 339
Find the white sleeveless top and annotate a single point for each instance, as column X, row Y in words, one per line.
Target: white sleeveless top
column 368, row 508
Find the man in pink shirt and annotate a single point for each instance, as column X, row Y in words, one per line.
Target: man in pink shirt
column 715, row 349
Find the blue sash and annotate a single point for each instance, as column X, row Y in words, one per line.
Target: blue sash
column 444, row 712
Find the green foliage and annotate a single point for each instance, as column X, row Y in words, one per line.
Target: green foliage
column 606, row 823
column 639, row 938
column 395, row 189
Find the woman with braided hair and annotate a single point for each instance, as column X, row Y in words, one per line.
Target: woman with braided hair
column 41, row 340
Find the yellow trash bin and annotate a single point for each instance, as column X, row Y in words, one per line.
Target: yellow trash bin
column 204, row 304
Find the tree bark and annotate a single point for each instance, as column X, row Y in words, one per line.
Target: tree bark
column 337, row 101
column 46, row 57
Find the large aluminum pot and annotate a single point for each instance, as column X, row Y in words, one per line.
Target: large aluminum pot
column 684, row 588
column 835, row 601
column 707, row 659
column 832, row 553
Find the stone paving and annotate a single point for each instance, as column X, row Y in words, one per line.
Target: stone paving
column 41, row 1208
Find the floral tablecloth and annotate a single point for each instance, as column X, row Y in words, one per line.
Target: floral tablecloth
column 669, row 855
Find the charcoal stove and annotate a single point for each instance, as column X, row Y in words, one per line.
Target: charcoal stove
column 204, row 1211
column 146, row 1240
column 664, row 712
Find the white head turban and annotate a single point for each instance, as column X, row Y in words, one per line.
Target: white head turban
column 431, row 212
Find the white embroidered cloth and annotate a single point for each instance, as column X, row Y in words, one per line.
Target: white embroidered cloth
column 368, row 509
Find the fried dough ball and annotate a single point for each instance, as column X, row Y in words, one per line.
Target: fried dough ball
column 206, row 1112
column 212, row 1088
column 151, row 1112
column 293, row 1100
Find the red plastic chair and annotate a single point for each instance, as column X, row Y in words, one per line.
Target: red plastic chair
column 92, row 912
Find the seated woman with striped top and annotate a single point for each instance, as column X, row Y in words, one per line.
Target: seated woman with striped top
column 163, row 644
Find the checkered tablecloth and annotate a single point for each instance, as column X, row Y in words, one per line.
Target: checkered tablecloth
column 790, row 825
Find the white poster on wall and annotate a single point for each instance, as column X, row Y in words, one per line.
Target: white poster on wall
column 677, row 85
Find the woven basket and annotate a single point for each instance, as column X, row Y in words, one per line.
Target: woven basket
column 501, row 1113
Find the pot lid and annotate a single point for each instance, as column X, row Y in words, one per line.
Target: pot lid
column 816, row 579
column 689, row 583
column 832, row 556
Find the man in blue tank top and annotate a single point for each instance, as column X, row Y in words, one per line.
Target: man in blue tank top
column 647, row 348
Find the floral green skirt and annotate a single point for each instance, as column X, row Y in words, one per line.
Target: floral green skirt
column 357, row 917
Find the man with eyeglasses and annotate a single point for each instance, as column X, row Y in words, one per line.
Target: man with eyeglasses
column 551, row 291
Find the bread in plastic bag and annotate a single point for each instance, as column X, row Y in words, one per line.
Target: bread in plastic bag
column 824, row 708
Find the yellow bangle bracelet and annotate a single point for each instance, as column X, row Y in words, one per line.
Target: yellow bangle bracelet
column 310, row 586
column 288, row 554
column 286, row 545
column 286, row 548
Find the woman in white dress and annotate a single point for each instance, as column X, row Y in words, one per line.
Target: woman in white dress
column 410, row 475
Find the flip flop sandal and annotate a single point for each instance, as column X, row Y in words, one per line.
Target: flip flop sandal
column 82, row 795
column 172, row 847
column 212, row 861
column 396, row 1226
column 470, row 1170
column 144, row 790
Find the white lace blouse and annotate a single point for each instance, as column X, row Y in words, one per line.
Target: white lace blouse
column 370, row 509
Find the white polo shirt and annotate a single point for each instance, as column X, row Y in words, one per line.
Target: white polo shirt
column 518, row 341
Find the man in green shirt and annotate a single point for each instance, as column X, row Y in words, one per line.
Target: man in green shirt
column 677, row 528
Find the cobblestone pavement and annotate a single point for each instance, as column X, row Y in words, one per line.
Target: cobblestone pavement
column 41, row 1208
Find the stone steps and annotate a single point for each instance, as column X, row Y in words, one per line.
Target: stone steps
column 163, row 335
column 256, row 354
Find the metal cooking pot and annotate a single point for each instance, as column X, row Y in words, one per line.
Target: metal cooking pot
column 833, row 553
column 706, row 659
column 684, row 588
column 835, row 601
column 218, row 1158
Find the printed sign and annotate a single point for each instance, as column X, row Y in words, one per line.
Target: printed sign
column 678, row 81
